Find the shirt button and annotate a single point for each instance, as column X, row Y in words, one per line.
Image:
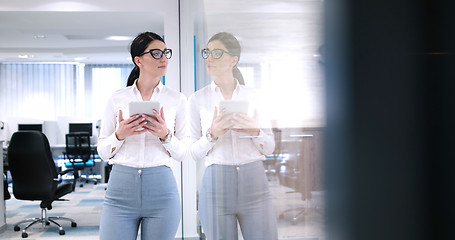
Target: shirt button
column 139, row 171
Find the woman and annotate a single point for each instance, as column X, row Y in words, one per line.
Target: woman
column 142, row 188
column 234, row 186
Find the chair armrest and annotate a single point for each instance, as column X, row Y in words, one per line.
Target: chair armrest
column 65, row 172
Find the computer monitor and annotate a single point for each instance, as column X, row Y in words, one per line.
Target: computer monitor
column 81, row 127
column 33, row 127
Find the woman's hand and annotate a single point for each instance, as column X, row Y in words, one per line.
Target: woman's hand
column 221, row 123
column 158, row 124
column 129, row 126
column 246, row 124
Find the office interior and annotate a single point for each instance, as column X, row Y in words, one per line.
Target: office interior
column 378, row 188
column 53, row 79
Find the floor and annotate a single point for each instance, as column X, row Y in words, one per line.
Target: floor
column 85, row 205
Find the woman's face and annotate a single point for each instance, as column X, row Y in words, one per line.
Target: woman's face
column 221, row 66
column 149, row 65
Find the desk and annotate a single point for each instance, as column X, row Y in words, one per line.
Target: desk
column 2, row 197
column 57, row 151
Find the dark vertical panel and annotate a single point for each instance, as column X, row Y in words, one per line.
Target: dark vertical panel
column 440, row 60
column 390, row 103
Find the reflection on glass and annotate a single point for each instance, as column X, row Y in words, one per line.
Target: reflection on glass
column 282, row 59
column 232, row 137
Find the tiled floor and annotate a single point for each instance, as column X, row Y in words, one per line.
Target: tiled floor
column 85, row 206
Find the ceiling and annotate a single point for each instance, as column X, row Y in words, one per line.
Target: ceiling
column 70, row 31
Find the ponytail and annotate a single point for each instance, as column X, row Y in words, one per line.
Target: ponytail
column 137, row 48
column 133, row 76
column 238, row 75
column 233, row 46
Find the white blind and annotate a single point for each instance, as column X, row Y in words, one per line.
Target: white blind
column 47, row 91
column 41, row 91
column 101, row 82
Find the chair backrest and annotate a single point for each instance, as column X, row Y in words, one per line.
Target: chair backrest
column 78, row 146
column 277, row 137
column 32, row 167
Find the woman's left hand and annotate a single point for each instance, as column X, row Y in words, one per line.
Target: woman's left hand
column 246, row 124
column 158, row 124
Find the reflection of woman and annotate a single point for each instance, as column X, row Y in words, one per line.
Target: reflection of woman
column 234, row 186
column 142, row 188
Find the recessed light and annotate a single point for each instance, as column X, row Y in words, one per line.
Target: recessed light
column 25, row 56
column 119, row 38
column 80, row 58
column 39, row 36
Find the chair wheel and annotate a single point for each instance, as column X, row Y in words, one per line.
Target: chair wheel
column 48, row 223
column 17, row 228
column 73, row 224
column 95, row 183
column 24, row 235
column 81, row 185
column 61, row 232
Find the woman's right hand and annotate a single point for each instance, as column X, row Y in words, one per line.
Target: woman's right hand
column 221, row 123
column 129, row 126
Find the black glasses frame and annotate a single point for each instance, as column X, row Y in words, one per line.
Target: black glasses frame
column 166, row 52
column 206, row 53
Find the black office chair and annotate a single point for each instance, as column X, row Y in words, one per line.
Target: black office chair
column 35, row 177
column 80, row 155
column 297, row 171
column 271, row 162
column 291, row 176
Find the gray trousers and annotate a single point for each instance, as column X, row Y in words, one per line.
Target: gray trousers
column 231, row 194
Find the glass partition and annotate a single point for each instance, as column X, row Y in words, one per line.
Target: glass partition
column 281, row 58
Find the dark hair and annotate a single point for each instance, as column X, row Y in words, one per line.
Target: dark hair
column 233, row 46
column 137, row 47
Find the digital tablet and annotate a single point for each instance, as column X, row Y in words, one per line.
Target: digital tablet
column 233, row 106
column 143, row 107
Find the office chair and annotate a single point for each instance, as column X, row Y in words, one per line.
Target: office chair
column 34, row 176
column 80, row 155
column 300, row 171
column 291, row 174
column 271, row 161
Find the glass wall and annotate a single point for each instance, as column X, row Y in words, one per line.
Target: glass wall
column 282, row 60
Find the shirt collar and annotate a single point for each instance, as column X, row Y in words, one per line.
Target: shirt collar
column 215, row 87
column 158, row 88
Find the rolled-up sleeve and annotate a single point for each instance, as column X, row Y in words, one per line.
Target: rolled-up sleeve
column 200, row 146
column 108, row 144
column 178, row 147
column 265, row 142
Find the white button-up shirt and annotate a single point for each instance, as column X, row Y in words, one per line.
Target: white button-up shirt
column 144, row 150
column 232, row 148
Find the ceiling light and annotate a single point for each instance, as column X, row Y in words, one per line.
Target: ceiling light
column 39, row 36
column 79, row 58
column 25, row 56
column 119, row 38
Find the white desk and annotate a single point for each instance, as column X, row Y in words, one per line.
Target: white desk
column 2, row 196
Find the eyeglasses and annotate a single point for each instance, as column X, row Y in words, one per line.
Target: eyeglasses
column 216, row 53
column 158, row 54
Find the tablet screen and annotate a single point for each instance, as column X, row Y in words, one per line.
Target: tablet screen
column 232, row 106
column 143, row 107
